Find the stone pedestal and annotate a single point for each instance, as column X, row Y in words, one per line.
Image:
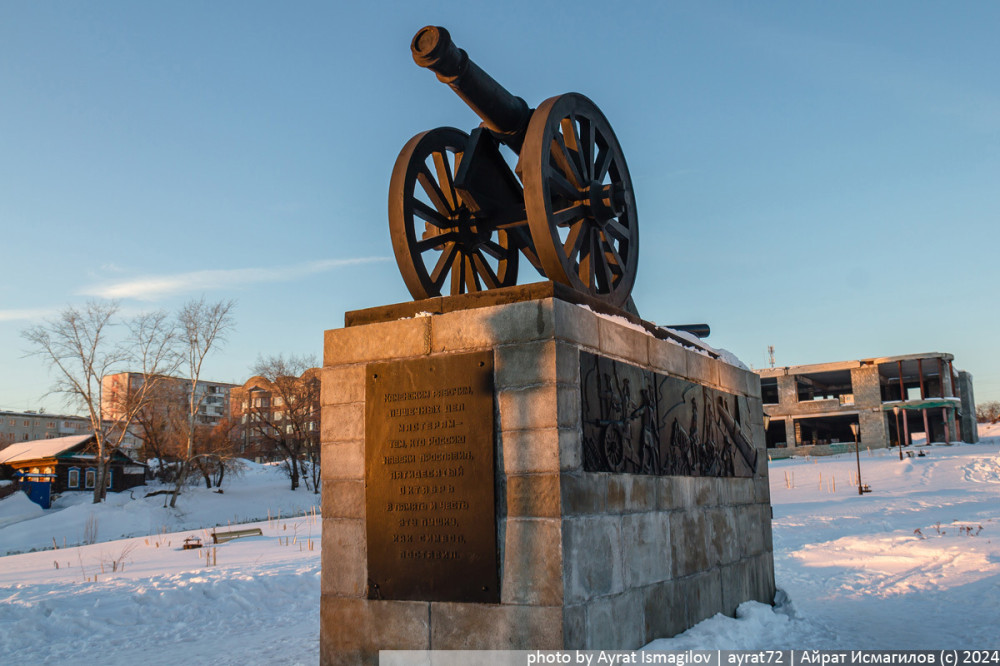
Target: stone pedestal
column 587, row 560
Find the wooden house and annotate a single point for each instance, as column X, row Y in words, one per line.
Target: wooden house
column 70, row 464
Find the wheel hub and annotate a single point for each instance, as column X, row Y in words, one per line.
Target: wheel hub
column 606, row 202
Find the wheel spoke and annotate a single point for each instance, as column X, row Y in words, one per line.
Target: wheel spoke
column 435, row 242
column 586, row 269
column 483, row 269
column 494, row 249
column 428, row 214
column 604, row 158
column 616, row 259
column 567, row 216
column 571, row 136
column 434, row 192
column 445, row 179
column 615, row 229
column 441, row 268
column 458, row 274
column 574, row 240
column 565, row 161
column 604, row 268
column 471, row 277
column 527, row 246
column 561, row 186
column 587, row 153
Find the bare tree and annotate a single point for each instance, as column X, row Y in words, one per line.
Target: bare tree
column 161, row 423
column 988, row 412
column 203, row 328
column 82, row 349
column 282, row 411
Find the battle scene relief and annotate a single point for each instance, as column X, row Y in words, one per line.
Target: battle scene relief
column 639, row 422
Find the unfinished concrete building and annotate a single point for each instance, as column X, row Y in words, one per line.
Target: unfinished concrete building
column 914, row 398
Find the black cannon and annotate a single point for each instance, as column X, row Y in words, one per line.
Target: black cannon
column 460, row 217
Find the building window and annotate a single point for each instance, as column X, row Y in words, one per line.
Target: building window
column 90, row 478
column 73, row 478
column 108, row 477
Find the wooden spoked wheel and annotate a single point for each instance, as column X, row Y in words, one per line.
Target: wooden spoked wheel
column 579, row 199
column 437, row 240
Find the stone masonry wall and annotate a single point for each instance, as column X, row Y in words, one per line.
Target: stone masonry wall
column 587, row 560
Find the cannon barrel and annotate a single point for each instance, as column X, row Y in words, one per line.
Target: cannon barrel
column 504, row 114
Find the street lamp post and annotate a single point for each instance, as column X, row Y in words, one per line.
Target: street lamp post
column 899, row 435
column 857, row 455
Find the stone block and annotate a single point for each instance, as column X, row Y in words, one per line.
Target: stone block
column 739, row 491
column 592, row 558
column 725, row 538
column 630, row 493
column 569, row 406
column 570, row 449
column 343, row 498
column 399, row 625
column 531, row 451
column 664, row 611
column 352, row 631
column 533, row 496
column 646, row 549
column 689, row 542
column 403, row 338
column 583, row 493
column 456, row 626
column 341, row 423
column 733, row 379
column 706, row 490
column 642, row 496
column 750, row 528
column 567, row 364
column 620, row 339
column 667, row 357
column 343, row 460
column 342, row 384
column 344, row 636
column 575, row 627
column 703, row 595
column 738, row 583
column 675, row 492
column 527, row 364
column 485, row 327
column 619, row 488
column 616, row 622
column 532, row 564
column 702, row 369
column 345, row 557
column 576, row 324
column 764, row 588
column 761, row 488
column 530, row 408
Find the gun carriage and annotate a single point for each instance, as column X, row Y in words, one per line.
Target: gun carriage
column 460, row 217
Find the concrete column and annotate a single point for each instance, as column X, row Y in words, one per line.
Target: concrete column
column 788, row 394
column 867, row 390
column 790, row 440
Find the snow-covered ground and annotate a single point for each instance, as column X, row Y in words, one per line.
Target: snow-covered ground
column 914, row 564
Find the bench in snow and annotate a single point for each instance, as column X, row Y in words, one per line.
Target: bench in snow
column 222, row 537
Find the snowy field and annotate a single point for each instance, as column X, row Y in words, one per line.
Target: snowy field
column 914, row 564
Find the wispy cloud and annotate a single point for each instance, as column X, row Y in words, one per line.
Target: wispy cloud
column 153, row 287
column 26, row 314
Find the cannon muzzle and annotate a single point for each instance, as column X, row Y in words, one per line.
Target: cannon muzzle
column 504, row 114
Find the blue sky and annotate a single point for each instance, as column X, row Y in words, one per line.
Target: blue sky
column 817, row 176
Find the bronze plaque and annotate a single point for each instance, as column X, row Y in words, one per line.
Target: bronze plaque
column 429, row 479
